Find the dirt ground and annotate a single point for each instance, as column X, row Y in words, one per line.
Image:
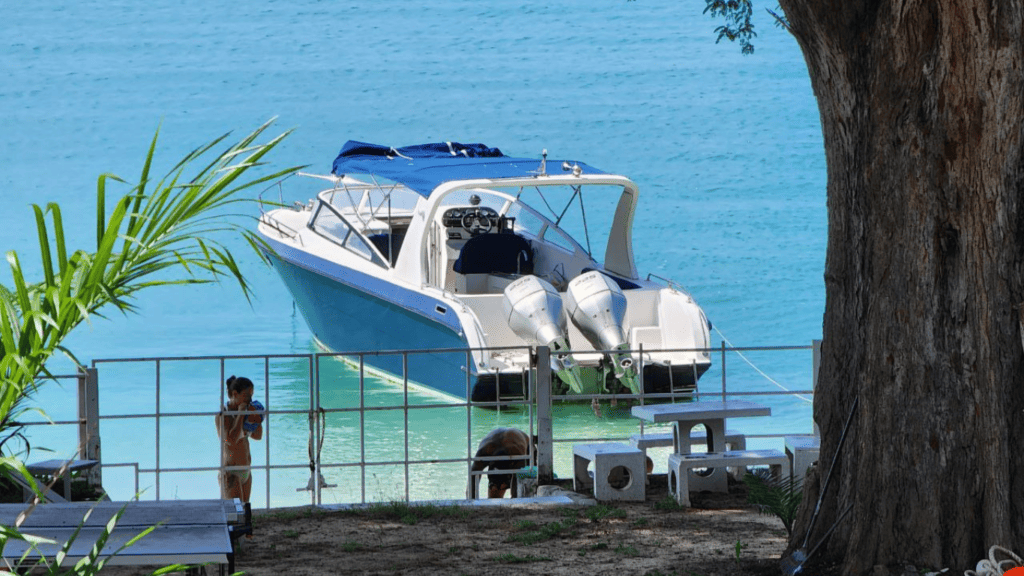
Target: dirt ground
column 721, row 535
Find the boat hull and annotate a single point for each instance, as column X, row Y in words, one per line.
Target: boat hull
column 346, row 318
column 353, row 312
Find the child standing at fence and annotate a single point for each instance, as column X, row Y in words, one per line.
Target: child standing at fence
column 234, row 431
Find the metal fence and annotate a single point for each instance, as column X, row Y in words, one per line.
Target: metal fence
column 349, row 415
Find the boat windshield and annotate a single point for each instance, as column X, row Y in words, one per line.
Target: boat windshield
column 583, row 213
column 366, row 203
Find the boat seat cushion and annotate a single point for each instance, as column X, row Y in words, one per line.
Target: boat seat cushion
column 495, row 253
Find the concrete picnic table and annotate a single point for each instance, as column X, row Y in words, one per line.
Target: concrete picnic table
column 710, row 413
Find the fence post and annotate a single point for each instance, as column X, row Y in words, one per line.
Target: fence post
column 723, row 371
column 545, row 449
column 89, row 421
column 815, row 366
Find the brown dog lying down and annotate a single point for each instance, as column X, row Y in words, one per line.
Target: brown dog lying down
column 501, row 442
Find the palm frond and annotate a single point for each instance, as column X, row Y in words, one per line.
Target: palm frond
column 780, row 498
column 160, row 232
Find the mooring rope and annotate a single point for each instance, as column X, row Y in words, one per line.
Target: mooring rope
column 992, row 566
column 317, row 421
column 758, row 370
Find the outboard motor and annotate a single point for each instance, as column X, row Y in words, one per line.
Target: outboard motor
column 533, row 309
column 597, row 307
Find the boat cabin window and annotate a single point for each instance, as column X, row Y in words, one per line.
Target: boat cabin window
column 332, row 226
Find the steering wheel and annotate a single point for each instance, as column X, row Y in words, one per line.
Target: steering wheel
column 475, row 222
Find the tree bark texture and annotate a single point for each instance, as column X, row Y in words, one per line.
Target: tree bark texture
column 922, row 112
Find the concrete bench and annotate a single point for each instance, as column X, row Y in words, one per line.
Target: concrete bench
column 680, row 465
column 733, row 441
column 802, row 452
column 619, row 471
column 187, row 531
column 58, row 469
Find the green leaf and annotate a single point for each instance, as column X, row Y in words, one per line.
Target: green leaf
column 161, row 232
column 44, row 244
column 780, row 498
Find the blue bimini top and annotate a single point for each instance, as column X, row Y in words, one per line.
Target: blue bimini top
column 424, row 167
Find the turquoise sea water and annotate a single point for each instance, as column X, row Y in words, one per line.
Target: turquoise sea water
column 726, row 150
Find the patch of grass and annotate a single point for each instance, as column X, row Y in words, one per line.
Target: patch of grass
column 626, row 550
column 568, row 512
column 542, row 533
column 668, row 503
column 525, row 525
column 290, row 533
column 641, row 522
column 408, row 513
column 352, row 547
column 303, row 512
column 513, row 559
column 601, row 511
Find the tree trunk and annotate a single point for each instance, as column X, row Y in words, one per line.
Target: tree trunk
column 922, row 109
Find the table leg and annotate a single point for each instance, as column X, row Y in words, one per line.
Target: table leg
column 712, row 479
column 681, row 437
column 716, row 435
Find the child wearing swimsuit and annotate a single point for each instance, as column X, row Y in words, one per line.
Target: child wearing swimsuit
column 235, row 431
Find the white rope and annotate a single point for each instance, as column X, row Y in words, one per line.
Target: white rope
column 758, row 370
column 992, row 566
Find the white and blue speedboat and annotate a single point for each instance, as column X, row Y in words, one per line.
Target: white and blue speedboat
column 452, row 246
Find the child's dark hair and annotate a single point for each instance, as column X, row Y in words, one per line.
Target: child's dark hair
column 238, row 383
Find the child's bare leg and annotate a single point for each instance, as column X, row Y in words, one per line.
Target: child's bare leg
column 246, row 488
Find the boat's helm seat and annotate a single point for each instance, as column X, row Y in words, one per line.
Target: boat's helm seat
column 495, row 253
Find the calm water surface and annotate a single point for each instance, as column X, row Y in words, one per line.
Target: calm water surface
column 726, row 149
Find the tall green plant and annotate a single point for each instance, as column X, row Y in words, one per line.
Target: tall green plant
column 160, row 233
column 780, row 498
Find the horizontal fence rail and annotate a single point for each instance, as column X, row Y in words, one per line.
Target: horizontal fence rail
column 336, row 416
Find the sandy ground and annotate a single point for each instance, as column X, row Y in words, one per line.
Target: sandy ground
column 650, row 538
